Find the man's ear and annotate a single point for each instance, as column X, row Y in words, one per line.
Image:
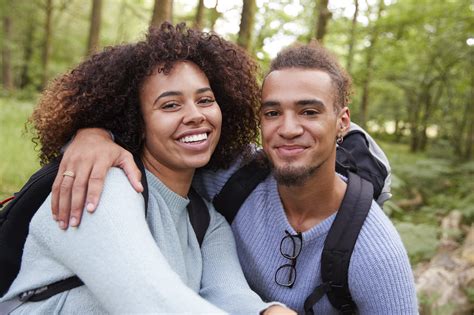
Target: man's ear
column 344, row 120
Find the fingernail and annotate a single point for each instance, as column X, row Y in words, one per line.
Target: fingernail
column 55, row 217
column 140, row 186
column 90, row 207
column 62, row 225
column 73, row 222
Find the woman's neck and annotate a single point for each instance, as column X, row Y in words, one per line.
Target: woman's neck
column 178, row 181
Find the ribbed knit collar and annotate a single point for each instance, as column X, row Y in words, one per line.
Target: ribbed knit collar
column 172, row 199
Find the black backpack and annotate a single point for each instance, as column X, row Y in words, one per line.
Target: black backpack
column 16, row 217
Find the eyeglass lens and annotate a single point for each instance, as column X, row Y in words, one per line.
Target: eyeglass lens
column 290, row 246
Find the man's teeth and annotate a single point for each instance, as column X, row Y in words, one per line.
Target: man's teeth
column 194, row 138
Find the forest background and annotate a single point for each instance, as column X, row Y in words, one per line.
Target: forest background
column 412, row 64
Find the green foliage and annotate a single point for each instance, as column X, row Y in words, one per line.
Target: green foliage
column 420, row 240
column 444, row 186
column 18, row 159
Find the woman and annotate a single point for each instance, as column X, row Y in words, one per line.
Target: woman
column 168, row 99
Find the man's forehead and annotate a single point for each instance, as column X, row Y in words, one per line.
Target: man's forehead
column 297, row 84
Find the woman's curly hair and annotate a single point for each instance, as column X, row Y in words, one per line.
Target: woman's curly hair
column 103, row 91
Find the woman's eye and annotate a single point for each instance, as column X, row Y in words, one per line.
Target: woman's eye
column 170, row 106
column 206, row 101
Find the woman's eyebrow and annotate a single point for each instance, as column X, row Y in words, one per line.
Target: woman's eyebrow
column 167, row 93
column 203, row 90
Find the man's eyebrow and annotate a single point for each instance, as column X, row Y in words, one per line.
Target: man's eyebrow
column 270, row 104
column 312, row 101
column 303, row 102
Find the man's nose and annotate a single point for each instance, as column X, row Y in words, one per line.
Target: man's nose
column 290, row 127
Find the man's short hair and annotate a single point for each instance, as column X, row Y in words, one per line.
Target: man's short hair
column 313, row 56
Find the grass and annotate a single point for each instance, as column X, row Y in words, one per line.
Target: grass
column 18, row 159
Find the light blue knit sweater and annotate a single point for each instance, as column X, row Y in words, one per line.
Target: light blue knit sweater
column 115, row 253
column 380, row 276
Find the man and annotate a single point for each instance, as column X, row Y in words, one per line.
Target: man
column 281, row 227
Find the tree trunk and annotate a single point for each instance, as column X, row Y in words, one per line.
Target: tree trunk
column 199, row 19
column 47, row 41
column 246, row 24
column 364, row 104
column 162, row 11
column 350, row 54
column 7, row 72
column 28, row 53
column 413, row 114
column 214, row 15
column 469, row 145
column 324, row 15
column 94, row 30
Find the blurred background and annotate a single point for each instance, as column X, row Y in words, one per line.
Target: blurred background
column 412, row 63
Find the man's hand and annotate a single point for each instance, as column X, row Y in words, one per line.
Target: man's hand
column 86, row 162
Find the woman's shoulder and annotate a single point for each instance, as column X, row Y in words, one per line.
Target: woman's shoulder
column 117, row 193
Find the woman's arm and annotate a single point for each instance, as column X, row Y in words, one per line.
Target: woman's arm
column 223, row 282
column 115, row 255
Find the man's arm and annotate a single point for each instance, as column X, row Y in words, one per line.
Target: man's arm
column 380, row 276
column 89, row 156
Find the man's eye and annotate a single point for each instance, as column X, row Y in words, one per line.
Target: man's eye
column 310, row 112
column 271, row 113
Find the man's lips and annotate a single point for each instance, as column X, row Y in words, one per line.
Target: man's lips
column 289, row 150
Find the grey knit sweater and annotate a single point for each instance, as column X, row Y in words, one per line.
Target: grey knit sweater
column 115, row 253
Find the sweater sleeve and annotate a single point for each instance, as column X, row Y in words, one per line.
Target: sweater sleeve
column 223, row 282
column 115, row 255
column 380, row 276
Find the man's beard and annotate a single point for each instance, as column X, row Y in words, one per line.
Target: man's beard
column 292, row 176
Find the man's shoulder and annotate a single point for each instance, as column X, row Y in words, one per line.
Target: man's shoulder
column 378, row 238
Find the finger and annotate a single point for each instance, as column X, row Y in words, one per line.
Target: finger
column 132, row 171
column 65, row 201
column 55, row 191
column 95, row 186
column 78, row 195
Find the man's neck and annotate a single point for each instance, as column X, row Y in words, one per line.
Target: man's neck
column 309, row 204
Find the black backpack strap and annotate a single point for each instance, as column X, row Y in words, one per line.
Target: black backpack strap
column 50, row 290
column 339, row 245
column 198, row 215
column 238, row 188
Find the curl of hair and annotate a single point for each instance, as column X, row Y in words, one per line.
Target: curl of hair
column 316, row 57
column 103, row 91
